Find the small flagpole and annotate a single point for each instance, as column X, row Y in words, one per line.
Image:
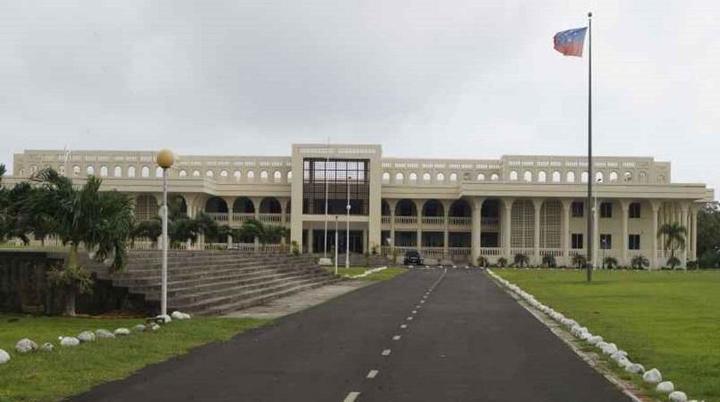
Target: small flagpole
column 590, row 210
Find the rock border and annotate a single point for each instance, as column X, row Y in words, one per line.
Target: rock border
column 566, row 329
column 88, row 336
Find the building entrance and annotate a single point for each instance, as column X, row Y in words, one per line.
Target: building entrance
column 356, row 241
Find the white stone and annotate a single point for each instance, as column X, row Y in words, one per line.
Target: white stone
column 595, row 340
column 25, row 345
column 139, row 328
column 635, row 368
column 677, row 396
column 86, row 336
column 154, row 327
column 164, row 318
column 47, row 347
column 69, row 341
column 652, row 376
column 104, row 333
column 618, row 355
column 665, row 387
column 4, row 357
column 623, row 362
column 122, row 332
column 176, row 315
column 609, row 349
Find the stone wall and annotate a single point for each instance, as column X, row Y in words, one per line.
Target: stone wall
column 24, row 287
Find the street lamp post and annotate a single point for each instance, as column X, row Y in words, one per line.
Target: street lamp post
column 347, row 227
column 165, row 160
column 336, row 245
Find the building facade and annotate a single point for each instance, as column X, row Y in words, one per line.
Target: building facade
column 449, row 209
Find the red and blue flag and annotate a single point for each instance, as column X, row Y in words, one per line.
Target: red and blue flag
column 570, row 42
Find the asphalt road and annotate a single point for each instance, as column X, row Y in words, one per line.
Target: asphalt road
column 423, row 336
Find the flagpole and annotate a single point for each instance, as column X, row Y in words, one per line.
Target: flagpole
column 591, row 211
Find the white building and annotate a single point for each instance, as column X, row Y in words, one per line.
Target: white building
column 449, row 209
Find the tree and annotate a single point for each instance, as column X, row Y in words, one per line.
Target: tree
column 482, row 261
column 674, row 240
column 639, row 262
column 708, row 235
column 101, row 221
column 610, row 262
column 266, row 234
column 579, row 260
column 150, row 229
column 521, row 260
column 548, row 261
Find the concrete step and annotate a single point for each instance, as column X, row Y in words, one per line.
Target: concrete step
column 138, row 279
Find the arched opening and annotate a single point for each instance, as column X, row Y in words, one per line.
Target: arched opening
column 90, row 170
column 495, row 177
column 399, row 177
column 405, row 208
column 224, row 174
column 146, row 207
column 460, row 209
column 277, row 176
column 158, row 172
column 599, row 177
column 584, row 177
column 216, row 205
column 413, row 177
column 613, row 177
column 183, row 173
column 556, row 177
column 527, row 176
column 103, row 171
column 131, row 171
column 542, row 177
column 384, row 208
column 426, row 177
column 117, row 171
column 264, row 175
column 250, row 175
column 177, row 204
column 480, row 177
column 433, row 208
column 270, row 205
column 145, row 171
column 513, row 175
column 440, row 177
column 196, row 173
column 453, row 177
column 243, row 205
column 209, row 173
column 570, row 177
column 386, row 177
column 237, row 175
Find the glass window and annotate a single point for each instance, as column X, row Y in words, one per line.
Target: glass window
column 578, row 209
column 634, row 242
column 577, row 241
column 605, row 241
column 635, row 210
column 606, row 210
column 337, row 177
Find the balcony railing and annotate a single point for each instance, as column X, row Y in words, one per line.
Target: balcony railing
column 490, row 221
column 240, row 217
column 386, row 219
column 459, row 221
column 406, row 220
column 491, row 251
column 433, row 220
column 218, row 216
column 270, row 218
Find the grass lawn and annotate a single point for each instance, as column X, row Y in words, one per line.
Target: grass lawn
column 667, row 320
column 383, row 275
column 66, row 371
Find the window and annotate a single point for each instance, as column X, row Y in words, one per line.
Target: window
column 635, row 210
column 606, row 210
column 634, row 242
column 577, row 241
column 578, row 209
column 340, row 175
column 605, row 241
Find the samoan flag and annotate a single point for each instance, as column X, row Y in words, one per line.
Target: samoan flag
column 570, row 42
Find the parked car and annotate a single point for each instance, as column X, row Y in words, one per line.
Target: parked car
column 413, row 257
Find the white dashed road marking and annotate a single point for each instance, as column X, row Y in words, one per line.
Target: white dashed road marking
column 396, row 338
column 409, row 318
column 351, row 397
column 386, row 352
column 372, row 374
column 403, row 326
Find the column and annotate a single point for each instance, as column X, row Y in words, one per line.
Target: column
column 507, row 226
column 446, row 234
column 230, row 204
column 256, row 206
column 567, row 205
column 476, row 228
column 419, row 224
column 683, row 221
column 365, row 242
column 392, row 224
column 310, row 239
column 655, row 211
column 536, row 236
column 283, row 219
column 596, row 233
column 693, row 223
column 625, row 205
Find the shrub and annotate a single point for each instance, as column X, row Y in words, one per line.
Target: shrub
column 610, row 262
column 548, row 261
column 579, row 261
column 639, row 262
column 693, row 265
column 71, row 280
column 483, row 262
column 521, row 260
column 502, row 262
column 673, row 262
column 295, row 248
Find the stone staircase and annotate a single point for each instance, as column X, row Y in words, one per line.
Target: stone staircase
column 217, row 282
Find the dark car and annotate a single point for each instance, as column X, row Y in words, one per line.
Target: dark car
column 412, row 257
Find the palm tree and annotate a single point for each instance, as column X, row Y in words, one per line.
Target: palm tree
column 639, row 262
column 266, row 234
column 521, row 260
column 674, row 240
column 579, row 260
column 101, row 221
column 610, row 262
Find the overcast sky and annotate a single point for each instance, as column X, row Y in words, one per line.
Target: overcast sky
column 450, row 78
